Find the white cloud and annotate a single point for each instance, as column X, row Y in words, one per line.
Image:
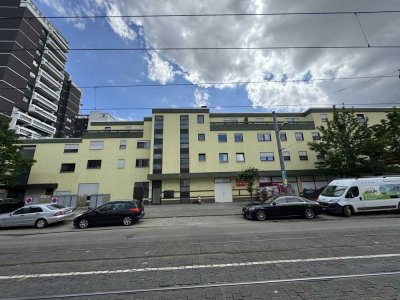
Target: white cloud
column 200, row 98
column 159, row 69
column 200, row 67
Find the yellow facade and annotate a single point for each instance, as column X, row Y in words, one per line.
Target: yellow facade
column 122, row 146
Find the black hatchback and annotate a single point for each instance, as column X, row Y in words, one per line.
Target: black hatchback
column 123, row 212
column 284, row 206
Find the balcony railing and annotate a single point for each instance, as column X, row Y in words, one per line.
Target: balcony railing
column 48, row 91
column 61, row 43
column 231, row 126
column 35, row 123
column 40, row 112
column 49, row 53
column 22, row 131
column 52, row 69
column 44, row 102
column 50, row 80
column 59, row 50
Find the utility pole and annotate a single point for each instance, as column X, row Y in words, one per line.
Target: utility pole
column 278, row 142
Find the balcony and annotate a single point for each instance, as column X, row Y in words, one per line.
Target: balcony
column 48, row 91
column 49, row 53
column 52, row 69
column 22, row 131
column 43, row 127
column 223, row 126
column 44, row 102
column 51, row 82
column 57, row 49
column 41, row 113
column 59, row 42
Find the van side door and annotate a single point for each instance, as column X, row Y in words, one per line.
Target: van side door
column 353, row 196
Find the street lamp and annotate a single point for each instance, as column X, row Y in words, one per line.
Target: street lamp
column 278, row 142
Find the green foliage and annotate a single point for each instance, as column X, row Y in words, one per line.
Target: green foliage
column 250, row 175
column 12, row 163
column 350, row 148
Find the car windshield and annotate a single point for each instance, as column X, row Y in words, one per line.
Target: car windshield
column 334, row 190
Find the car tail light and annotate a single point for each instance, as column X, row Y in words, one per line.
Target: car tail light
column 60, row 213
column 136, row 210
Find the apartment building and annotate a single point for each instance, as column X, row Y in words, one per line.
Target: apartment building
column 36, row 94
column 177, row 155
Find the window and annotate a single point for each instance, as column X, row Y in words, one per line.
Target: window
column 286, row 155
column 240, row 157
column 35, row 63
column 299, row 136
column 122, row 144
column 319, row 156
column 303, row 155
column 264, row 137
column 44, row 31
column 259, row 120
column 282, row 136
column 201, row 137
column 184, row 124
column 41, row 42
column 67, row 168
column 143, row 144
column 315, row 136
column 29, row 87
column 94, row 164
column 238, row 137
column 231, row 121
column 360, row 118
column 35, row 210
column 202, row 157
column 107, row 128
column 142, row 163
column 38, row 52
column 223, row 157
column 121, row 163
column 324, row 117
column 222, row 138
column 96, row 145
column 25, row 99
column 200, row 119
column 32, row 75
column 267, row 156
column 71, row 148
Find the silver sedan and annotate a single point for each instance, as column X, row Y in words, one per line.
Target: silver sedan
column 39, row 215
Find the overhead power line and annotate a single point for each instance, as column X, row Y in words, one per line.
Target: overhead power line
column 385, row 76
column 206, row 15
column 211, row 48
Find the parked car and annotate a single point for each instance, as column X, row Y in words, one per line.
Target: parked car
column 282, row 207
column 39, row 215
column 10, row 204
column 123, row 212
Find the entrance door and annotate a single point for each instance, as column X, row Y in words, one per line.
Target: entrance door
column 156, row 192
column 223, row 192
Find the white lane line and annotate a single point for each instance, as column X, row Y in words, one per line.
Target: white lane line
column 210, row 285
column 193, row 267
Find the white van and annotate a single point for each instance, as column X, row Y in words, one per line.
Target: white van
column 348, row 196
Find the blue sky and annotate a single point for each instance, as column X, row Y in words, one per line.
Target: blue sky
column 116, row 68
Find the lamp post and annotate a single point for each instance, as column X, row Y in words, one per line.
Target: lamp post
column 278, row 142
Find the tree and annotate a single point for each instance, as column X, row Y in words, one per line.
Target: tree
column 250, row 175
column 12, row 163
column 387, row 135
column 342, row 146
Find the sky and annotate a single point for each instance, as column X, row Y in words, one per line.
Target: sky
column 229, row 80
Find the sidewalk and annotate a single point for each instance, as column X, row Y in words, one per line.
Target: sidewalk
column 188, row 210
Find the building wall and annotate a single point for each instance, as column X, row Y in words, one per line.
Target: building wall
column 202, row 175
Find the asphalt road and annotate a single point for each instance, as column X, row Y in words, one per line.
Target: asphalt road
column 214, row 257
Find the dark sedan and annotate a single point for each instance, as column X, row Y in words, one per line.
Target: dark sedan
column 123, row 212
column 282, row 207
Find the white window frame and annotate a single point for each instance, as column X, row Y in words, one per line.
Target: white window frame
column 96, row 145
column 267, row 155
column 121, row 163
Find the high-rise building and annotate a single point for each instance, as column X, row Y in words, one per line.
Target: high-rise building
column 36, row 94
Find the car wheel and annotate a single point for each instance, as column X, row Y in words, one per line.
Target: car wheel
column 41, row 223
column 347, row 211
column 83, row 223
column 127, row 221
column 261, row 215
column 309, row 213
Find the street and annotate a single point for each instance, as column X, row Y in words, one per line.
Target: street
column 210, row 257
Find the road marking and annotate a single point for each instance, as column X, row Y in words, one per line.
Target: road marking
column 196, row 267
column 212, row 285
